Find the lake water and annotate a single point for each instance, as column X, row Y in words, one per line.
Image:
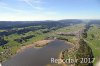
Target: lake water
column 37, row 57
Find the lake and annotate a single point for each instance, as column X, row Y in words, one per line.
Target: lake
column 37, row 56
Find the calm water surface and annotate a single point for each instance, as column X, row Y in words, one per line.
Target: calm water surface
column 37, row 57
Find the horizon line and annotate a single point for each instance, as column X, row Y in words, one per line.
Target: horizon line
column 47, row 20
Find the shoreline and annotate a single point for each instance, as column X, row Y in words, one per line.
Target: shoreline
column 36, row 44
column 62, row 53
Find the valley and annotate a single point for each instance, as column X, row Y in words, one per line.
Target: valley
column 80, row 35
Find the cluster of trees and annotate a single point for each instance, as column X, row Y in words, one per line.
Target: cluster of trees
column 21, row 31
column 67, row 34
column 45, row 31
column 62, row 38
column 2, row 41
column 84, row 51
column 87, row 26
column 24, row 39
column 84, row 35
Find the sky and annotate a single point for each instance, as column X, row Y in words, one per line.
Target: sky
column 35, row 10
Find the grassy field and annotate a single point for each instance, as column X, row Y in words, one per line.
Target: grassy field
column 93, row 39
column 71, row 28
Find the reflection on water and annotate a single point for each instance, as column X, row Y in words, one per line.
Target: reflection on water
column 37, row 57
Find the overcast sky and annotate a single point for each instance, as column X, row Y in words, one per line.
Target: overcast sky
column 16, row 10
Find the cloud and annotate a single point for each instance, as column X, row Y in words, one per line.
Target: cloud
column 35, row 4
column 6, row 6
column 12, row 9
